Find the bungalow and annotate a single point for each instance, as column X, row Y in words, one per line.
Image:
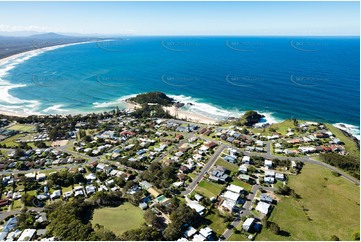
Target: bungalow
column 206, row 232
column 30, row 176
column 56, row 194
column 68, row 194
column 268, row 163
column 248, row 224
column 230, row 159
column 269, row 180
column 230, row 200
column 90, row 177
column 190, row 231
column 196, row 206
column 243, row 169
column 280, row 176
column 263, row 207
column 90, row 189
column 210, row 144
column 269, row 173
column 259, row 143
column 198, row 197
column 179, row 154
column 266, row 198
column 244, row 177
column 143, row 205
column 218, row 174
column 198, row 237
column 234, row 188
column 246, row 159
column 145, row 185
column 230, row 139
column 40, row 177
column 27, row 235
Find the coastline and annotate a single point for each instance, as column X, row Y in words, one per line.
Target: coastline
column 40, row 50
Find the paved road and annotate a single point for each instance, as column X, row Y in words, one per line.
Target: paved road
column 205, row 168
column 6, row 214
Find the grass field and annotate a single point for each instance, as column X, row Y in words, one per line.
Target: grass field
column 11, row 141
column 331, row 203
column 119, row 219
column 209, row 189
column 218, row 225
column 350, row 145
column 22, row 127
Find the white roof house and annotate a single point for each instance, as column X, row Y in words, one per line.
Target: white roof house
column 248, row 224
column 90, row 189
column 229, row 204
column 205, row 232
column 269, row 179
column 27, row 235
column 268, row 163
column 198, row 237
column 263, row 207
column 90, row 177
column 246, row 159
column 269, row 173
column 243, row 168
column 196, row 206
column 259, row 143
column 234, row 188
column 189, row 232
column 55, row 194
column 280, row 176
column 231, row 195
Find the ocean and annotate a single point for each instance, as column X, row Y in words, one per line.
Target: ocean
column 309, row 78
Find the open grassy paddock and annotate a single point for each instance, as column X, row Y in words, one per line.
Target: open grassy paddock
column 328, row 206
column 22, row 127
column 209, row 189
column 119, row 219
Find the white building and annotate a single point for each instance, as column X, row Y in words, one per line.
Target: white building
column 263, row 207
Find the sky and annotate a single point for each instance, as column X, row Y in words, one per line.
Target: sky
column 183, row 18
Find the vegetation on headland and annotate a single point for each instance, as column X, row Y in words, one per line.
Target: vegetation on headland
column 349, row 164
column 152, row 97
column 249, row 118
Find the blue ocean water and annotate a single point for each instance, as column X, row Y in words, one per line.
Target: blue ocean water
column 311, row 78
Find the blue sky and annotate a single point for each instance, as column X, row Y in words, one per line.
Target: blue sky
column 183, row 18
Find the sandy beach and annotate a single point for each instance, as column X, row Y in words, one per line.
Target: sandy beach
column 176, row 112
column 181, row 114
